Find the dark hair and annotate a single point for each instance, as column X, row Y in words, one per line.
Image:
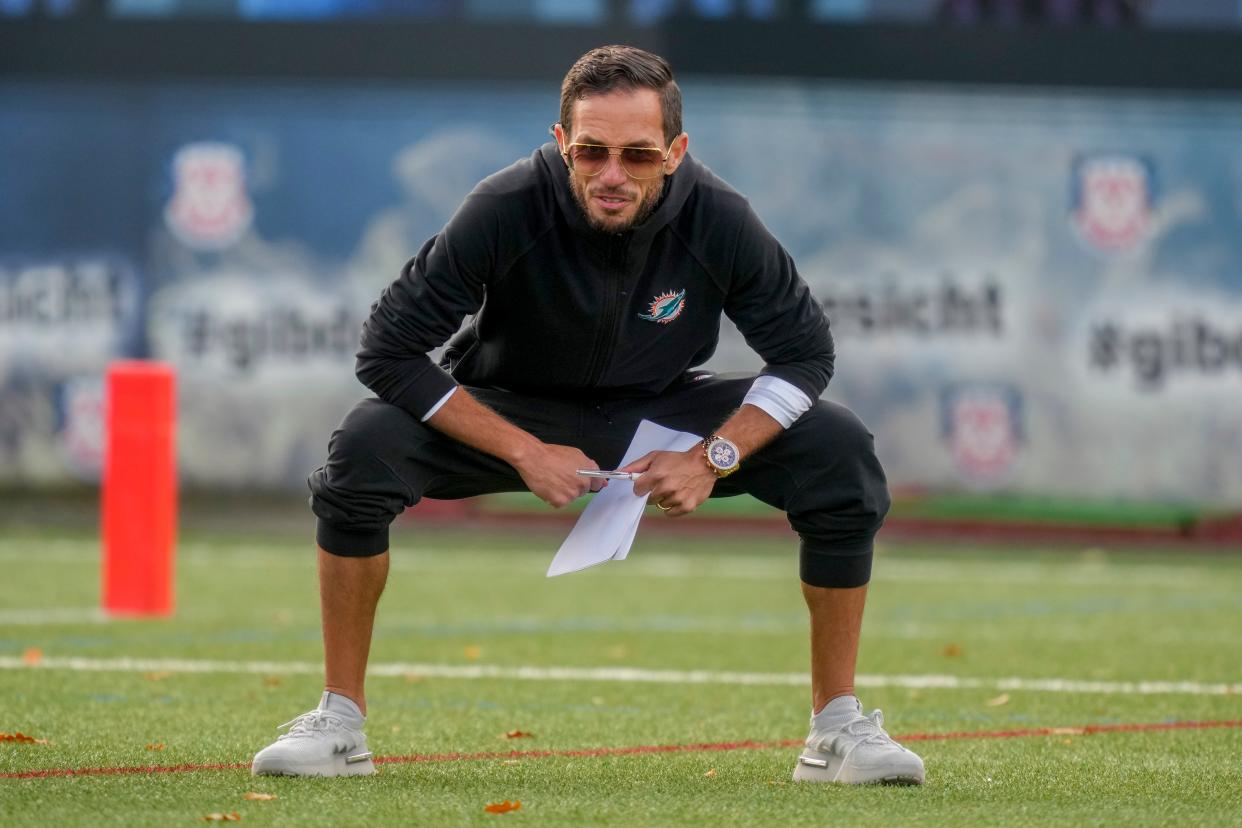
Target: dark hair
column 608, row 68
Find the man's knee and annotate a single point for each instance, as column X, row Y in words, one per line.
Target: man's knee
column 372, row 429
column 843, row 500
column 358, row 492
column 842, row 470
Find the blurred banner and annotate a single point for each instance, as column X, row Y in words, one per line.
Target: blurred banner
column 1033, row 294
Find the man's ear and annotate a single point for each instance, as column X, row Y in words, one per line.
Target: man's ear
column 559, row 133
column 678, row 151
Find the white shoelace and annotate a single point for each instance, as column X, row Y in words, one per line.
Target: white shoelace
column 309, row 723
column 873, row 725
column 862, row 730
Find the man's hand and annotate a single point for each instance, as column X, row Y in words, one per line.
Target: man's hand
column 677, row 481
column 550, row 471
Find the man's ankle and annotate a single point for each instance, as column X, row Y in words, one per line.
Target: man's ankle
column 838, row 712
column 347, row 704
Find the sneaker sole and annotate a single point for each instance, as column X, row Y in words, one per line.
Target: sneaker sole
column 828, row 772
column 339, row 766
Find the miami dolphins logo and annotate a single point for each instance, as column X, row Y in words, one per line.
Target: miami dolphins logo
column 666, row 307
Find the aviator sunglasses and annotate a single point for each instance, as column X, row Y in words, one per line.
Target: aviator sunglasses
column 638, row 162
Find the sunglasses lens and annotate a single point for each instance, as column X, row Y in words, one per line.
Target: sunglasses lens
column 642, row 163
column 588, row 159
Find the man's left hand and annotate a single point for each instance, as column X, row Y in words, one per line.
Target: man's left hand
column 676, row 481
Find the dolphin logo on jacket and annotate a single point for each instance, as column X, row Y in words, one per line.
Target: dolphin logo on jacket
column 665, row 307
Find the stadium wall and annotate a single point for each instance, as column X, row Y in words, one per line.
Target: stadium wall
column 1033, row 291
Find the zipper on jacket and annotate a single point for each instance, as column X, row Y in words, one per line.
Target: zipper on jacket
column 605, row 342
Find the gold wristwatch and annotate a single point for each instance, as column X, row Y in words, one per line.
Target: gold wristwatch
column 722, row 455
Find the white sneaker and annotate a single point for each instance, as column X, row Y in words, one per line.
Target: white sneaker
column 319, row 743
column 861, row 752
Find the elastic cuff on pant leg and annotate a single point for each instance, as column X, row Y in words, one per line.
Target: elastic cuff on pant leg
column 836, row 568
column 350, row 544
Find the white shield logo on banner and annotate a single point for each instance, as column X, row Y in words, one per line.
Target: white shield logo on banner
column 209, row 209
column 1112, row 201
column 981, row 426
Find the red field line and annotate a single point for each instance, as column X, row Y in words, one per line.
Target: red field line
column 632, row 750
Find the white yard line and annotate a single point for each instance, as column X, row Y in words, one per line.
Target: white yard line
column 623, row 674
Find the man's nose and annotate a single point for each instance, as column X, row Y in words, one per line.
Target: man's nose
column 613, row 174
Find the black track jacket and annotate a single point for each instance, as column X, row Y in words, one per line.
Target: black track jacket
column 562, row 309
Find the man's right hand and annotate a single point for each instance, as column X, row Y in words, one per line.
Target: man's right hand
column 550, row 471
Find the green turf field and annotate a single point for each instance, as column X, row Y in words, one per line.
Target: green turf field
column 469, row 629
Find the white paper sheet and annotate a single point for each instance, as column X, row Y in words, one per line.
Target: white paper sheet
column 607, row 527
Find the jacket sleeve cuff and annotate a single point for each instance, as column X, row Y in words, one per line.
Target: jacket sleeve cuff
column 431, row 412
column 811, row 379
column 425, row 392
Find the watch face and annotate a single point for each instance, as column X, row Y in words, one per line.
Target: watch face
column 723, row 454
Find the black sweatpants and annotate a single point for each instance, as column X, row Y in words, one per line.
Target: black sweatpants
column 822, row 471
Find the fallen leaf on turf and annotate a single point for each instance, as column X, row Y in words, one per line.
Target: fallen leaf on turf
column 229, row 817
column 1003, row 698
column 260, row 797
column 503, row 807
column 472, row 652
column 21, row 738
column 32, row 656
column 711, row 773
column 156, row 676
column 271, row 681
column 413, row 678
column 156, row 746
column 951, row 651
column 519, row 734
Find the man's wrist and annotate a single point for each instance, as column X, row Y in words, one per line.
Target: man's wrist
column 695, row 455
column 523, row 449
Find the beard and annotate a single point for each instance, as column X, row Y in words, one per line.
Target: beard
column 648, row 200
